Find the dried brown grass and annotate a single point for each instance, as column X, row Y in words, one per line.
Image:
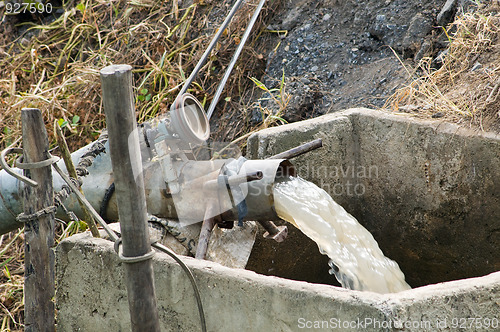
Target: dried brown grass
column 465, row 88
column 11, row 281
column 57, row 69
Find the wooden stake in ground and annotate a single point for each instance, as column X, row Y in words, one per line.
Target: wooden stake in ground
column 38, row 228
column 129, row 188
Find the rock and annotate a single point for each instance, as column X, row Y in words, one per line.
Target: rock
column 424, row 50
column 447, row 13
column 327, row 17
column 476, row 66
column 419, row 27
column 293, row 17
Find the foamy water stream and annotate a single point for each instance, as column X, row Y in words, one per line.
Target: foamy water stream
column 355, row 257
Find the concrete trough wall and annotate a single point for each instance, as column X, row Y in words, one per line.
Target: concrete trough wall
column 427, row 190
column 91, row 296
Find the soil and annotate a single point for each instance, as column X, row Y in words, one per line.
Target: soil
column 342, row 54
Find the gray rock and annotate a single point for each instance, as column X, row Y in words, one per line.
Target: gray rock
column 293, row 17
column 447, row 13
column 419, row 27
column 476, row 66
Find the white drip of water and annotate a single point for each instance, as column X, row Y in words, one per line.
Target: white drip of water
column 355, row 257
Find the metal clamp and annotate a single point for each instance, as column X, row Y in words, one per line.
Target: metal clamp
column 134, row 259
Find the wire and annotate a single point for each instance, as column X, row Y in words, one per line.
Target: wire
column 186, row 269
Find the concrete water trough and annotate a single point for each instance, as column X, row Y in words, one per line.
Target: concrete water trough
column 427, row 190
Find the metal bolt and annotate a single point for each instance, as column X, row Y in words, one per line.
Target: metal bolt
column 277, row 233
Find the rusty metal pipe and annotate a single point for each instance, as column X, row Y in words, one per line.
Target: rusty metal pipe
column 299, row 150
column 183, row 206
column 276, row 233
column 194, row 175
column 238, row 179
column 234, row 180
column 206, row 230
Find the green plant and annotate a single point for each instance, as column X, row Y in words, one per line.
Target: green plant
column 144, row 95
column 65, row 123
column 270, row 116
column 280, row 97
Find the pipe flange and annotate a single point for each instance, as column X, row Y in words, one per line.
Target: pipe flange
column 188, row 120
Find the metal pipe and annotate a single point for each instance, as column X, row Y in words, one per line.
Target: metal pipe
column 184, row 207
column 205, row 55
column 234, row 180
column 234, row 59
column 206, row 230
column 299, row 150
column 276, row 233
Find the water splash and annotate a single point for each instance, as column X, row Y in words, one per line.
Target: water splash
column 355, row 257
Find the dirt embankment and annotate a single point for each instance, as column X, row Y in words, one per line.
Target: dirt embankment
column 341, row 54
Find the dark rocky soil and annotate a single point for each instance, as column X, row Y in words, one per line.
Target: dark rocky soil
column 341, row 54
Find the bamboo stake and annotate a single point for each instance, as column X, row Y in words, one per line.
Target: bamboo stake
column 70, row 167
column 127, row 169
column 39, row 286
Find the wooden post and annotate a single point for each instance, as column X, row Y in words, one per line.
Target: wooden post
column 129, row 185
column 39, row 284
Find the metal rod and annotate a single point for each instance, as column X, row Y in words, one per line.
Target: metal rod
column 234, row 59
column 85, row 202
column 39, row 284
column 277, row 233
column 116, row 81
column 206, row 230
column 186, row 269
column 237, row 179
column 63, row 146
column 205, row 55
column 234, row 180
column 299, row 150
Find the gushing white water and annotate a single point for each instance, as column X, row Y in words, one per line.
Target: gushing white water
column 355, row 257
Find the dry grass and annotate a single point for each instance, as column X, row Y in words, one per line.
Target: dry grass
column 55, row 67
column 11, row 281
column 465, row 89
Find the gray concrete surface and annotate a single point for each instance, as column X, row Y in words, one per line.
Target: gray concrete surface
column 91, row 296
column 427, row 190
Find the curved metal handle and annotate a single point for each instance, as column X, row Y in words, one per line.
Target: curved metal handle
column 9, row 170
column 44, row 163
